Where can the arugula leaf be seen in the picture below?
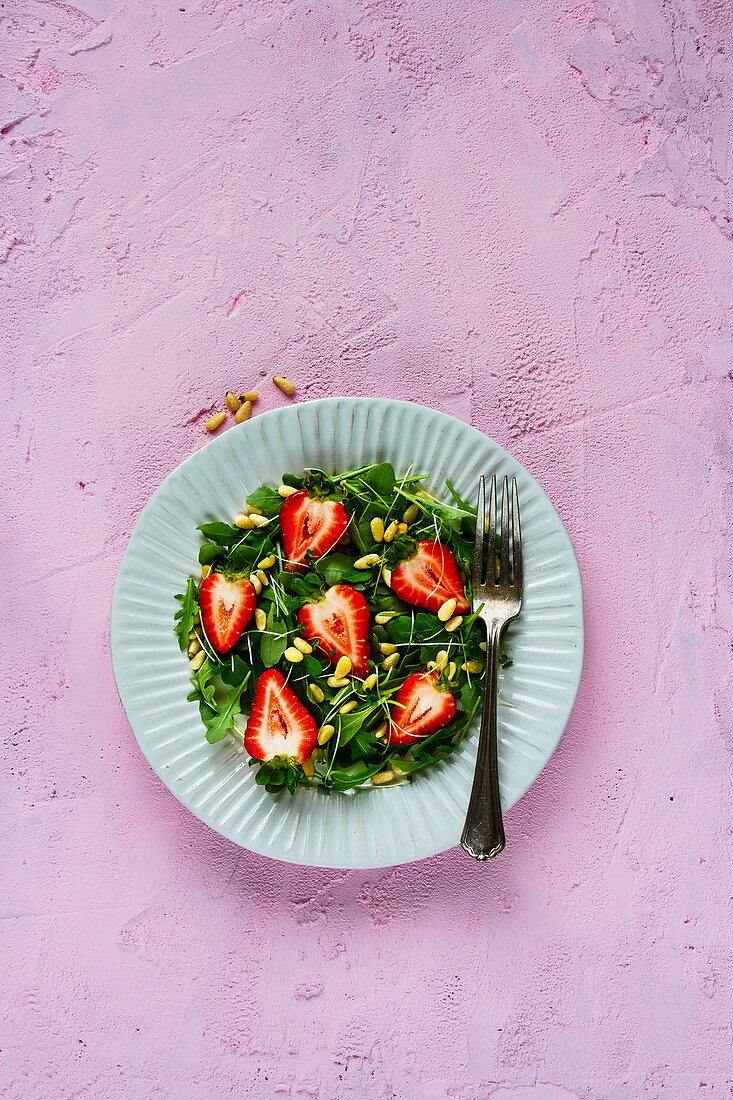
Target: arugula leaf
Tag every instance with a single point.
(203, 688)
(267, 500)
(219, 721)
(350, 724)
(459, 500)
(186, 613)
(273, 640)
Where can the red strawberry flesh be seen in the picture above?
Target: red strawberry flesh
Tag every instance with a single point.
(429, 578)
(306, 524)
(279, 724)
(420, 708)
(226, 608)
(340, 623)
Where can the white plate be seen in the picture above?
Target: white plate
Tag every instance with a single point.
(372, 828)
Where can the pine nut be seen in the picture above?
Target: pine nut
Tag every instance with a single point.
(262, 577)
(387, 648)
(335, 682)
(454, 623)
(251, 510)
(244, 522)
(370, 682)
(446, 610)
(343, 668)
(197, 661)
(366, 562)
(482, 645)
(215, 421)
(260, 619)
(267, 562)
(286, 490)
(401, 528)
(197, 619)
(250, 395)
(424, 496)
(302, 645)
(391, 531)
(452, 670)
(258, 520)
(441, 660)
(473, 667)
(377, 528)
(194, 647)
(348, 707)
(284, 385)
(315, 693)
(410, 514)
(391, 661)
(205, 570)
(381, 731)
(233, 403)
(383, 617)
(381, 779)
(325, 734)
(243, 412)
(308, 769)
(387, 577)
(255, 582)
(293, 655)
(191, 635)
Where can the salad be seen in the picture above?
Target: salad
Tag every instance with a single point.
(335, 612)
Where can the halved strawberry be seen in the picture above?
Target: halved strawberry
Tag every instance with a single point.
(226, 608)
(420, 708)
(306, 524)
(340, 622)
(279, 724)
(429, 578)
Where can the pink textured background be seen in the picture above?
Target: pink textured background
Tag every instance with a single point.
(521, 214)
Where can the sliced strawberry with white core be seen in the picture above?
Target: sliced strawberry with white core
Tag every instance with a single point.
(315, 525)
(420, 708)
(226, 608)
(340, 622)
(429, 578)
(279, 724)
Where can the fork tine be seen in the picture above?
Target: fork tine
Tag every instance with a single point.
(491, 567)
(477, 566)
(516, 538)
(504, 570)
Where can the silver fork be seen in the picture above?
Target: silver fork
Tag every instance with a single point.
(501, 602)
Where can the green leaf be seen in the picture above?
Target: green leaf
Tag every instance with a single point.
(223, 533)
(203, 690)
(186, 613)
(209, 552)
(349, 724)
(267, 500)
(458, 499)
(380, 478)
(339, 569)
(273, 639)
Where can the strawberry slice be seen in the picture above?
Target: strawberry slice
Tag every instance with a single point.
(420, 708)
(306, 524)
(340, 622)
(226, 608)
(429, 578)
(279, 724)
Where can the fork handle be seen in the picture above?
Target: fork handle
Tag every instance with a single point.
(483, 833)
